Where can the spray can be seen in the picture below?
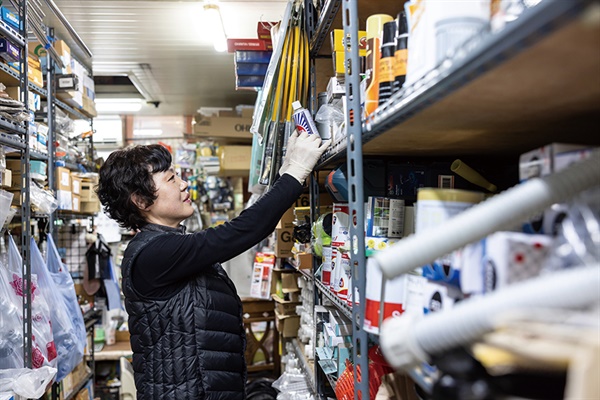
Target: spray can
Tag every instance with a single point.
(374, 31)
(401, 53)
(386, 63)
(303, 120)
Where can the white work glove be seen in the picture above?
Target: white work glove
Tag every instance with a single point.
(303, 152)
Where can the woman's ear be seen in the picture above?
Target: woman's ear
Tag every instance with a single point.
(139, 202)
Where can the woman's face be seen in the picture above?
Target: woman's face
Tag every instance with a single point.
(173, 203)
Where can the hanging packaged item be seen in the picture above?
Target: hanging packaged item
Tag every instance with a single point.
(69, 346)
(43, 352)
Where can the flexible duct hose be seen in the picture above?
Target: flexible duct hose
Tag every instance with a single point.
(410, 339)
(499, 212)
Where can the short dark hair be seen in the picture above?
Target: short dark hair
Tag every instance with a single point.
(128, 172)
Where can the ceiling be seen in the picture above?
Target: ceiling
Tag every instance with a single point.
(186, 72)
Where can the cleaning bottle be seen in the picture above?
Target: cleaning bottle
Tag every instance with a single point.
(303, 120)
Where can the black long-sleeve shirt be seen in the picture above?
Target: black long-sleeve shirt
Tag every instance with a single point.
(163, 267)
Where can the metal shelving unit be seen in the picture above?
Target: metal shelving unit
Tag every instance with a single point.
(468, 106)
(489, 78)
(15, 136)
(322, 25)
(336, 301)
(306, 368)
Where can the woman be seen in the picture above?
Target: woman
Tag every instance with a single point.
(185, 316)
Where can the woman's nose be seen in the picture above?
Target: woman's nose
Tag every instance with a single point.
(184, 184)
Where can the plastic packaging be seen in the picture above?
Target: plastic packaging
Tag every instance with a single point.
(503, 211)
(303, 120)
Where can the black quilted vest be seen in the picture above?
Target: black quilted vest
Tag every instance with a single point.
(188, 346)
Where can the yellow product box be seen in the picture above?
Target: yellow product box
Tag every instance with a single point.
(338, 64)
(35, 76)
(337, 41)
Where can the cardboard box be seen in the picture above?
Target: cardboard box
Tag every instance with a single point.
(232, 127)
(63, 178)
(248, 44)
(287, 325)
(6, 178)
(289, 282)
(76, 203)
(76, 185)
(304, 260)
(235, 160)
(123, 336)
(284, 242)
(91, 207)
(72, 98)
(65, 199)
(87, 191)
(287, 219)
(10, 17)
(285, 307)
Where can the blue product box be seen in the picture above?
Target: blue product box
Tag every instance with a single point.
(9, 51)
(249, 81)
(10, 18)
(404, 180)
(243, 69)
(38, 167)
(247, 56)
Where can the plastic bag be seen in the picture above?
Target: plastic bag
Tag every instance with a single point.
(329, 113)
(66, 290)
(43, 352)
(11, 327)
(25, 382)
(70, 352)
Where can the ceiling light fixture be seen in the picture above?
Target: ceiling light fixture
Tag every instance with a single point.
(214, 25)
(144, 81)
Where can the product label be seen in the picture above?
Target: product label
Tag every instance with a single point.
(304, 122)
(386, 69)
(401, 58)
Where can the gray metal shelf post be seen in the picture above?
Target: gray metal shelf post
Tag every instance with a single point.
(25, 198)
(356, 198)
(51, 135)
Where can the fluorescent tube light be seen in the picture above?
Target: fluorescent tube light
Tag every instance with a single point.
(214, 25)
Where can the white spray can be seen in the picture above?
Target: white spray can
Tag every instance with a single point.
(303, 120)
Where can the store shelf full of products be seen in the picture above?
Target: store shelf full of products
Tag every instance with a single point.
(501, 93)
(482, 98)
(15, 137)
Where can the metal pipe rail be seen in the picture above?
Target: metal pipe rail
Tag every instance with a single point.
(412, 339)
